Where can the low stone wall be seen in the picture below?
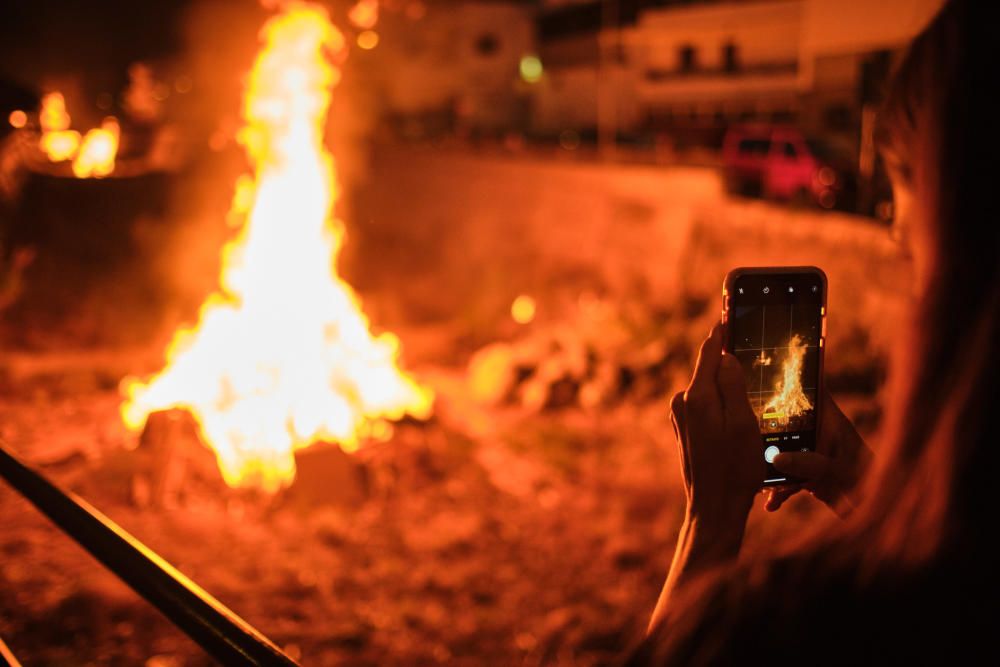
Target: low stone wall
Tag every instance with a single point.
(469, 233)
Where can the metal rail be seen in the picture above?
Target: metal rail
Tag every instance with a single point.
(218, 630)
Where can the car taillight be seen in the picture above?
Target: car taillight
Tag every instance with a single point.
(826, 176)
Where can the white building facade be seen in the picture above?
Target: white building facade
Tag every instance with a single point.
(709, 63)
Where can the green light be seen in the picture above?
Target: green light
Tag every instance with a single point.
(531, 68)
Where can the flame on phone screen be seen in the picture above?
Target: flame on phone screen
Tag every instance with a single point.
(789, 400)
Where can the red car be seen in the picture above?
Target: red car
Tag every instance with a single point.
(778, 162)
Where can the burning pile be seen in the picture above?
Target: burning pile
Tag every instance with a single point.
(282, 356)
(789, 400)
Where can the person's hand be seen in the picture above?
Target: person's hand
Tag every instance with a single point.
(831, 473)
(721, 463)
(719, 439)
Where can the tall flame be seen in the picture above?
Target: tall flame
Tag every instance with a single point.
(281, 356)
(789, 400)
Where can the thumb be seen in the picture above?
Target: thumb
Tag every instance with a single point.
(776, 497)
(809, 466)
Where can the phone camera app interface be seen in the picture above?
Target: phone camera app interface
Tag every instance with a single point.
(776, 324)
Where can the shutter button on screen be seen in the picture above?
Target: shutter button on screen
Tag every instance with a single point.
(770, 453)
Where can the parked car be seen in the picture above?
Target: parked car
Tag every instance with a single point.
(780, 162)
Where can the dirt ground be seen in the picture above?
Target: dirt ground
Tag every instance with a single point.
(486, 537)
(493, 534)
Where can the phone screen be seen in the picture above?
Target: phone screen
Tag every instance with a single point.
(775, 329)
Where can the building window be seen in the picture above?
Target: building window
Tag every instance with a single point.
(487, 44)
(754, 146)
(687, 58)
(730, 58)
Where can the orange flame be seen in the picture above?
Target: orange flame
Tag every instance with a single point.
(58, 142)
(282, 357)
(53, 115)
(60, 145)
(93, 155)
(789, 400)
(96, 157)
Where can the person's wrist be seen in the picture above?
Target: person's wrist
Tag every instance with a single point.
(715, 533)
(720, 517)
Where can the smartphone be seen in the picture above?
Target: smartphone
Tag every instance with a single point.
(775, 324)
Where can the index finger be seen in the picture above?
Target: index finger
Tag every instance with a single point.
(709, 357)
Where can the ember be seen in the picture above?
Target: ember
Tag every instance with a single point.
(282, 356)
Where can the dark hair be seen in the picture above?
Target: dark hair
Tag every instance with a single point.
(936, 134)
(933, 478)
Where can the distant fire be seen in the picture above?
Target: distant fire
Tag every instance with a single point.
(58, 142)
(96, 157)
(789, 400)
(762, 359)
(282, 356)
(93, 155)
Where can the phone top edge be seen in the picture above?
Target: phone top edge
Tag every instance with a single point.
(739, 271)
(734, 274)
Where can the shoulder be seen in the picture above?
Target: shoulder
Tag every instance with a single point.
(812, 608)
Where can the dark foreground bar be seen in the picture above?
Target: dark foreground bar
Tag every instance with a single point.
(7, 658)
(224, 635)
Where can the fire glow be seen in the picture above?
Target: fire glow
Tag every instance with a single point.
(282, 356)
(93, 155)
(58, 142)
(96, 157)
(789, 400)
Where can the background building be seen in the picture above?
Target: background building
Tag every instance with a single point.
(455, 66)
(691, 68)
